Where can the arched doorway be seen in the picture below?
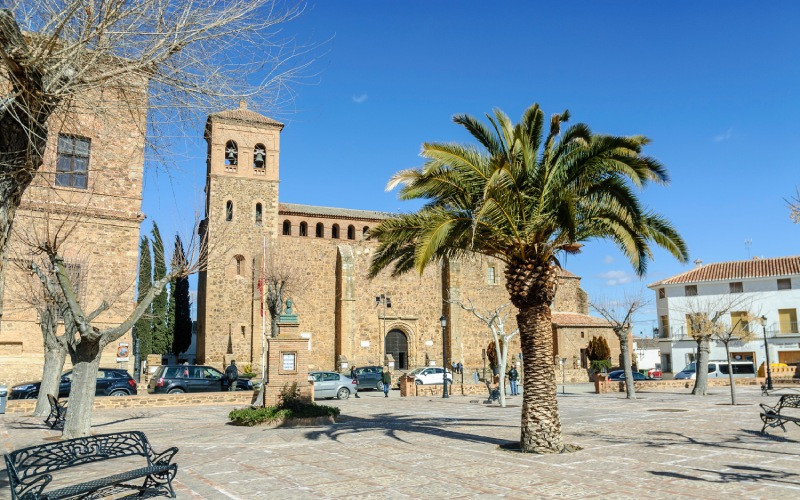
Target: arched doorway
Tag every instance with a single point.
(397, 346)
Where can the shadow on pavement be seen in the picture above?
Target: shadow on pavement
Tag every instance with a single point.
(391, 425)
(740, 473)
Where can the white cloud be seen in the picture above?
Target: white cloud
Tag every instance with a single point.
(608, 259)
(723, 136)
(616, 277)
(360, 99)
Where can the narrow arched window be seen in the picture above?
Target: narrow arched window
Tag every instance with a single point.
(303, 229)
(351, 232)
(239, 264)
(259, 214)
(229, 211)
(231, 154)
(320, 230)
(335, 231)
(287, 228)
(365, 232)
(259, 156)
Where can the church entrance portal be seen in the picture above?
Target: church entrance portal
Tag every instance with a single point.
(397, 346)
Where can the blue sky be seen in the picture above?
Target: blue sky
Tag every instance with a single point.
(713, 84)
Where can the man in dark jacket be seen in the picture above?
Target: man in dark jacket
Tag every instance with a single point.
(513, 376)
(386, 378)
(232, 374)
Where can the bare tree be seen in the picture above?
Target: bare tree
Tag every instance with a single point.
(739, 330)
(86, 345)
(280, 279)
(794, 207)
(620, 315)
(704, 317)
(58, 57)
(496, 321)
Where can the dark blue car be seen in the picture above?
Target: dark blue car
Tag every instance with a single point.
(618, 375)
(110, 382)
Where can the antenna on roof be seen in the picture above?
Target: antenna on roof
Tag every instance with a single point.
(747, 244)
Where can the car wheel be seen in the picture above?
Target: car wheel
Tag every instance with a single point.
(118, 392)
(343, 393)
(418, 382)
(379, 386)
(177, 390)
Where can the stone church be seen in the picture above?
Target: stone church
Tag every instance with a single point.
(324, 254)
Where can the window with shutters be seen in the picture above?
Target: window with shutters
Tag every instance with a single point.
(72, 166)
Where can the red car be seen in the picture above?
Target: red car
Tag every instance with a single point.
(654, 373)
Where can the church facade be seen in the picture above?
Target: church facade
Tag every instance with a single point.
(323, 255)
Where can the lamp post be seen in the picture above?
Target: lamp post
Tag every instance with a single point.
(385, 301)
(483, 353)
(766, 349)
(443, 321)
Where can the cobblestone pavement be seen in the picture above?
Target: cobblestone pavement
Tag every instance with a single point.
(661, 445)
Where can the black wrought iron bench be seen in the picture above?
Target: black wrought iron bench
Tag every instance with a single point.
(775, 416)
(58, 412)
(29, 469)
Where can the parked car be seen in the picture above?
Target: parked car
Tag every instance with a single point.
(369, 377)
(176, 379)
(655, 373)
(719, 369)
(618, 375)
(333, 385)
(110, 382)
(430, 375)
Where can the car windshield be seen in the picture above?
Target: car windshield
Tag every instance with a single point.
(690, 368)
(417, 371)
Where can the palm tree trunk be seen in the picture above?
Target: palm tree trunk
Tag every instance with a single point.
(625, 347)
(541, 425)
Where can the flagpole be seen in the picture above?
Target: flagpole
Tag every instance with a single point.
(263, 326)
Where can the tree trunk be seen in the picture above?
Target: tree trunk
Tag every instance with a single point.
(85, 360)
(701, 367)
(541, 424)
(625, 348)
(55, 352)
(503, 352)
(730, 374)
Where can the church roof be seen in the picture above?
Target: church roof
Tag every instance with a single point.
(577, 319)
(342, 213)
(242, 114)
(738, 269)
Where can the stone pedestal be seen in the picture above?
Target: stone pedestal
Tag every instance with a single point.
(287, 363)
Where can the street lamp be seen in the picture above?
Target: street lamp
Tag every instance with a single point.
(443, 321)
(766, 349)
(385, 301)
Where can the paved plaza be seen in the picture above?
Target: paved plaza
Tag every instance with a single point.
(663, 445)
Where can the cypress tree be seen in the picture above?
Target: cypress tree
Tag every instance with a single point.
(162, 338)
(144, 326)
(182, 320)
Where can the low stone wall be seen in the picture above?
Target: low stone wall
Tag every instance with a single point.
(604, 387)
(239, 398)
(454, 389)
(572, 375)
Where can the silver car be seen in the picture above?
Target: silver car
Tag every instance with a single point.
(332, 385)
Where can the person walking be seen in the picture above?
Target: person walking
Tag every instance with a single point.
(386, 378)
(513, 376)
(232, 374)
(354, 376)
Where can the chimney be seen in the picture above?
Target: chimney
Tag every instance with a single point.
(698, 263)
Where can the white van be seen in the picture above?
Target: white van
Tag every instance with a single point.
(719, 369)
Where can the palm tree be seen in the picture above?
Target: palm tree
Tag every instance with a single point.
(524, 198)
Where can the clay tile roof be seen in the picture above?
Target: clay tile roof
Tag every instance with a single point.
(738, 269)
(242, 114)
(342, 213)
(643, 343)
(577, 319)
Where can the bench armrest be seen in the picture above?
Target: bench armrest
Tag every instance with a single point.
(769, 409)
(165, 457)
(32, 489)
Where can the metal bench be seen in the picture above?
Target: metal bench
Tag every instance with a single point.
(58, 412)
(772, 416)
(29, 469)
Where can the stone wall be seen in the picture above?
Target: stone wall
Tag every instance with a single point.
(102, 223)
(666, 385)
(240, 398)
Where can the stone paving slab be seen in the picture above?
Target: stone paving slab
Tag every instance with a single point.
(662, 445)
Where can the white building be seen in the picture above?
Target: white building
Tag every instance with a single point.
(764, 287)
